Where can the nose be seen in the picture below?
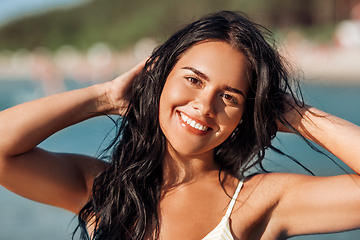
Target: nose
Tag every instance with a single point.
(204, 103)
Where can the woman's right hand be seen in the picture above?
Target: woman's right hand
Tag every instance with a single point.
(58, 179)
(118, 91)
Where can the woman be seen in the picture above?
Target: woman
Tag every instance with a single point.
(195, 118)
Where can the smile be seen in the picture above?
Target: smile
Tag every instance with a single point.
(193, 123)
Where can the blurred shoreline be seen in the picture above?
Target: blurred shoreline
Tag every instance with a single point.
(100, 63)
(328, 64)
(325, 64)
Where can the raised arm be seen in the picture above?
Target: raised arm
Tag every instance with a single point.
(309, 205)
(58, 179)
(340, 137)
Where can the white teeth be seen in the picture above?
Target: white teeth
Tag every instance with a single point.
(192, 123)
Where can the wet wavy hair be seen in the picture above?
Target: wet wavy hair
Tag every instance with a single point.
(124, 201)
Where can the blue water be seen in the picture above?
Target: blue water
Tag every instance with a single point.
(27, 220)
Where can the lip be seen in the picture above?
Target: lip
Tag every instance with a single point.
(193, 130)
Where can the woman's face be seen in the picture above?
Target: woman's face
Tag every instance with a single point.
(204, 98)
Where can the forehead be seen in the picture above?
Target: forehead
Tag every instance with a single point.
(219, 61)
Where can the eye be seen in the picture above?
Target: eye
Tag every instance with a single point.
(229, 98)
(194, 81)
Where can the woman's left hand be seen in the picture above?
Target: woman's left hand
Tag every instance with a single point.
(336, 135)
(292, 114)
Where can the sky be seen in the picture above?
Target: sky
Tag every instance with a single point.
(12, 9)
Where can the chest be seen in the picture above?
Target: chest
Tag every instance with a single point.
(193, 213)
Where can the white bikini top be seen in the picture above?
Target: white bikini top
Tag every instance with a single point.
(222, 230)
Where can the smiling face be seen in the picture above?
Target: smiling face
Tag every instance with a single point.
(204, 98)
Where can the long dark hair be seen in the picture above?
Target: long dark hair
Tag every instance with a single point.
(124, 201)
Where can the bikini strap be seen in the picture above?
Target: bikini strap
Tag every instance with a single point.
(233, 199)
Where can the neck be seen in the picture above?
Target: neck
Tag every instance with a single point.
(182, 169)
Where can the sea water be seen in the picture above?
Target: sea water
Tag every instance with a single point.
(22, 219)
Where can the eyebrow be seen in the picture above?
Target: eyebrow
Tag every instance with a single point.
(197, 72)
(205, 77)
(234, 90)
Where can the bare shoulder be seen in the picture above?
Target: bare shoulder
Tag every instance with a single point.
(267, 190)
(275, 184)
(268, 184)
(258, 199)
(281, 205)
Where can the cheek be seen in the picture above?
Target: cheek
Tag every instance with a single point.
(171, 97)
(174, 94)
(231, 119)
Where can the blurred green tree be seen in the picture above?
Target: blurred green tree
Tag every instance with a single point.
(121, 23)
